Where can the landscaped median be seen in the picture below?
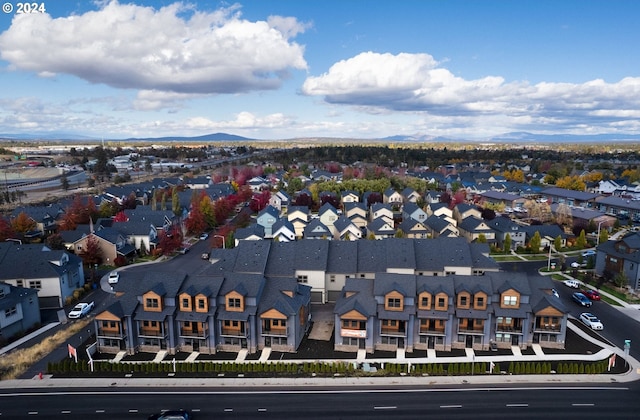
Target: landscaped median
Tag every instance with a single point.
(69, 368)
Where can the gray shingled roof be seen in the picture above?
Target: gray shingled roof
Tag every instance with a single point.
(273, 296)
(31, 261)
(362, 301)
(343, 257)
(254, 255)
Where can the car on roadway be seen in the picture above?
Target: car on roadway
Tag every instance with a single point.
(575, 264)
(81, 309)
(592, 321)
(591, 294)
(574, 284)
(204, 236)
(183, 250)
(581, 299)
(554, 292)
(589, 253)
(114, 277)
(172, 415)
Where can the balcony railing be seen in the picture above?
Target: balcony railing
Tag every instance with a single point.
(194, 334)
(276, 331)
(393, 331)
(431, 330)
(233, 332)
(473, 330)
(110, 334)
(150, 332)
(509, 328)
(548, 327)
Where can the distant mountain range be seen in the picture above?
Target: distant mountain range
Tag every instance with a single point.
(514, 137)
(523, 137)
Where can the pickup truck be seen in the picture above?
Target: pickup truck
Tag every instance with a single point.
(81, 309)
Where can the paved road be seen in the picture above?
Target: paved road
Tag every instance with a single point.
(478, 402)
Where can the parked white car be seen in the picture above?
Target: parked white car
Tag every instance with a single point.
(574, 284)
(114, 277)
(591, 321)
(81, 309)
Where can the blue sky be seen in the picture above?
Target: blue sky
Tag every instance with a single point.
(330, 68)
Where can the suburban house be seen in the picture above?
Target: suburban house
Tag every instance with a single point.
(411, 312)
(569, 197)
(349, 197)
(409, 195)
(110, 242)
(54, 274)
(463, 210)
(267, 218)
(381, 211)
(328, 216)
(472, 227)
(283, 231)
(19, 311)
(346, 230)
(357, 213)
(501, 198)
(503, 226)
(392, 197)
(45, 218)
(299, 217)
(280, 200)
(253, 232)
(410, 210)
(380, 228)
(317, 230)
(621, 256)
(441, 226)
(414, 229)
(622, 208)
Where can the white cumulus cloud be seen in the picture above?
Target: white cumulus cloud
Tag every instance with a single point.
(418, 83)
(172, 49)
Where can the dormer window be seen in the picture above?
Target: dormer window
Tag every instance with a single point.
(441, 302)
(509, 300)
(464, 300)
(152, 303)
(185, 303)
(480, 301)
(394, 301)
(424, 301)
(234, 303)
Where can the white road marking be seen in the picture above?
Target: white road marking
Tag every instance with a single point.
(65, 412)
(389, 407)
(583, 405)
(517, 405)
(451, 406)
(262, 409)
(228, 410)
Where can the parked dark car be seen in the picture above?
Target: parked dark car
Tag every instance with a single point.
(172, 415)
(581, 299)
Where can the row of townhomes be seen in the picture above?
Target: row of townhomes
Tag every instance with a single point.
(395, 293)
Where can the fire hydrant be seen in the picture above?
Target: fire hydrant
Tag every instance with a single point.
(40, 375)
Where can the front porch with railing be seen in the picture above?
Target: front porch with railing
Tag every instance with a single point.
(152, 336)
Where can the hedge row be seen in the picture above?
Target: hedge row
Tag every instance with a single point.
(345, 368)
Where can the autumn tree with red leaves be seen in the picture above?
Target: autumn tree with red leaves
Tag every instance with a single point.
(196, 222)
(6, 230)
(171, 241)
(260, 201)
(91, 253)
(120, 217)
